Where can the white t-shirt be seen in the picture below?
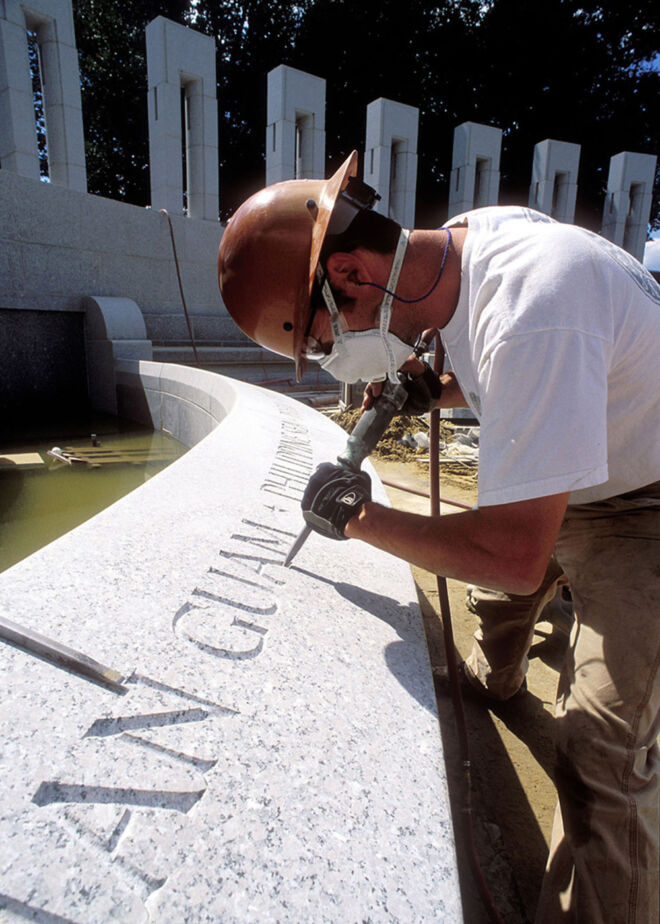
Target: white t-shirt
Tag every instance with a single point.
(555, 343)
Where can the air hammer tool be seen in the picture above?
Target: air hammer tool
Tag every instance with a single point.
(362, 441)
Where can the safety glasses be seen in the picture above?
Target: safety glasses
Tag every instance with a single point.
(357, 197)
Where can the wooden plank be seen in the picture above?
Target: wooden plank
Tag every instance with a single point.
(20, 459)
(94, 456)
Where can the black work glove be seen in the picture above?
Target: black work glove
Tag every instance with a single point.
(423, 391)
(333, 495)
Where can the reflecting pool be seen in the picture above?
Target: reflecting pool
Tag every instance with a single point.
(52, 483)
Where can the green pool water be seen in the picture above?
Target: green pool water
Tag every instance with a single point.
(42, 498)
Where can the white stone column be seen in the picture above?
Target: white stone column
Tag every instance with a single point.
(475, 175)
(390, 158)
(52, 21)
(628, 200)
(295, 132)
(179, 59)
(553, 188)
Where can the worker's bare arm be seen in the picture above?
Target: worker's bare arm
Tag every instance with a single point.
(506, 547)
(451, 396)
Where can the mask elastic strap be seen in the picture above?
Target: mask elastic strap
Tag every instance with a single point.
(386, 304)
(331, 305)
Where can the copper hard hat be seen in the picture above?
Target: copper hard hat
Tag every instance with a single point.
(268, 257)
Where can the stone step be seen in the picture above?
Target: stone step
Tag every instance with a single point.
(223, 353)
(279, 380)
(173, 328)
(248, 363)
(199, 342)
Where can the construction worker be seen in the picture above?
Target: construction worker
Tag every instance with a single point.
(553, 336)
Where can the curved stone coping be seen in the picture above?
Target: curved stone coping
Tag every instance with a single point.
(276, 753)
(188, 403)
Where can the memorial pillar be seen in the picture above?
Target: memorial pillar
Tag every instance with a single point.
(51, 21)
(475, 174)
(628, 200)
(390, 158)
(553, 188)
(295, 133)
(182, 89)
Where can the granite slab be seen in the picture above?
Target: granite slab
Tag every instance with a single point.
(274, 754)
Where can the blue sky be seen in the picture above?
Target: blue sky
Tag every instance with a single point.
(652, 254)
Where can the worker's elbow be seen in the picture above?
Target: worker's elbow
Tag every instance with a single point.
(522, 587)
(525, 574)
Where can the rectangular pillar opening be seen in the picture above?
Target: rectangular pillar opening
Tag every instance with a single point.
(37, 77)
(635, 199)
(397, 178)
(304, 145)
(559, 194)
(184, 149)
(481, 182)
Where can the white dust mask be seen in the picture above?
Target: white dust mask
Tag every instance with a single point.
(366, 355)
(369, 355)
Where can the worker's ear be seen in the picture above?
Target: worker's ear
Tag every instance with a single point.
(346, 271)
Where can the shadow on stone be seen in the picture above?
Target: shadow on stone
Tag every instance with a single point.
(402, 657)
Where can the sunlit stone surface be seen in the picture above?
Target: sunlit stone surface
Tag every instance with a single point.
(275, 753)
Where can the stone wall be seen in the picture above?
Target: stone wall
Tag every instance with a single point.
(42, 373)
(58, 245)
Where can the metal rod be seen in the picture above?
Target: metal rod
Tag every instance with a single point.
(59, 654)
(298, 544)
(420, 493)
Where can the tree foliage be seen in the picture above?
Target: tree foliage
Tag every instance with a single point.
(113, 82)
(575, 71)
(252, 37)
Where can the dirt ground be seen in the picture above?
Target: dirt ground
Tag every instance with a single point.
(511, 744)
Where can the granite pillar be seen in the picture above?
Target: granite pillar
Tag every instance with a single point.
(295, 131)
(390, 158)
(553, 187)
(181, 75)
(475, 174)
(52, 22)
(628, 200)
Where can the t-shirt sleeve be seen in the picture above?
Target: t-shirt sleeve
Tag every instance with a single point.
(544, 416)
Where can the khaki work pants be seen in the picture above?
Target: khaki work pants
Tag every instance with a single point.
(603, 860)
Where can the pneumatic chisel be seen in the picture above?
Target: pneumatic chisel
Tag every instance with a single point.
(362, 441)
